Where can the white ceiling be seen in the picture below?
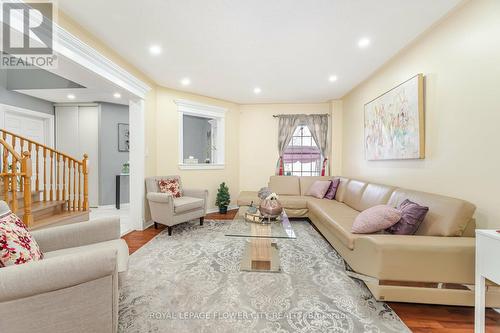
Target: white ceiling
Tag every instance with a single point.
(288, 48)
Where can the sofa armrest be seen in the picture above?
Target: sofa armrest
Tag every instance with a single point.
(159, 197)
(46, 275)
(416, 258)
(78, 234)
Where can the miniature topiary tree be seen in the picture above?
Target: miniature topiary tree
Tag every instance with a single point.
(223, 198)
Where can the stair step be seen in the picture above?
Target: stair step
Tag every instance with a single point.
(42, 209)
(66, 217)
(35, 197)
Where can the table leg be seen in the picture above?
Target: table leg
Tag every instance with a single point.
(117, 193)
(480, 304)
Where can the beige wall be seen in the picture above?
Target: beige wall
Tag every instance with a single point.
(166, 122)
(460, 59)
(258, 139)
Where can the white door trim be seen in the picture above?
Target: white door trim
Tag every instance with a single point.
(48, 120)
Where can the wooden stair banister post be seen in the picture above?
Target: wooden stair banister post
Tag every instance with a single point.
(26, 176)
(85, 182)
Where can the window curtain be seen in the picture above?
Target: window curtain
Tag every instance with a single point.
(286, 127)
(318, 124)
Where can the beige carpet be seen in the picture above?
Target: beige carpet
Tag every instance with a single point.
(190, 282)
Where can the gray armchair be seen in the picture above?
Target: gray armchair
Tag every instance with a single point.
(74, 288)
(169, 211)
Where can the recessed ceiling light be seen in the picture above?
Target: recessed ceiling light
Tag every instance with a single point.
(257, 90)
(71, 96)
(186, 81)
(117, 95)
(364, 42)
(332, 78)
(155, 49)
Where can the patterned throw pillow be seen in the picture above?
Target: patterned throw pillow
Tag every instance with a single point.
(170, 186)
(17, 246)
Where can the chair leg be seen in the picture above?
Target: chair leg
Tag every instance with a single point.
(156, 225)
(201, 220)
(169, 228)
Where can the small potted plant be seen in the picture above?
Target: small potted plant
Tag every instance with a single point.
(223, 198)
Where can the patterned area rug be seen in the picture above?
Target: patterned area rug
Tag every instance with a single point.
(190, 282)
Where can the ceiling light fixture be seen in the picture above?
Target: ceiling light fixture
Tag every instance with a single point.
(257, 90)
(155, 49)
(332, 78)
(117, 95)
(71, 96)
(364, 42)
(186, 81)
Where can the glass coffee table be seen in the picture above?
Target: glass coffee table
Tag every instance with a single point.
(261, 253)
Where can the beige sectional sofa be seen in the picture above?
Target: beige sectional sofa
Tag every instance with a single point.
(436, 265)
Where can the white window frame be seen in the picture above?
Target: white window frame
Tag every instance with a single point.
(185, 107)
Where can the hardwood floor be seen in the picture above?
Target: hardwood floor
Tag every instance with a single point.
(420, 318)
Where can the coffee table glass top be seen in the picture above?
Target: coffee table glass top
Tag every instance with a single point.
(280, 228)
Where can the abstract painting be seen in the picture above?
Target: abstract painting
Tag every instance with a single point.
(394, 123)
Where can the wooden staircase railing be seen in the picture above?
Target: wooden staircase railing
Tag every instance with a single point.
(41, 165)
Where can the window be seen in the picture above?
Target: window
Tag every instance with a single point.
(302, 157)
(201, 136)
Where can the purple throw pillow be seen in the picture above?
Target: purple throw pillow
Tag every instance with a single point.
(332, 190)
(412, 215)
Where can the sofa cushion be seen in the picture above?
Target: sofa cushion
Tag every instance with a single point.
(293, 201)
(375, 194)
(118, 244)
(353, 193)
(17, 246)
(285, 185)
(340, 195)
(319, 188)
(307, 181)
(446, 217)
(185, 204)
(337, 216)
(246, 197)
(375, 219)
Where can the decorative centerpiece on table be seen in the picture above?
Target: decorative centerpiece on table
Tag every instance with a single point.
(270, 207)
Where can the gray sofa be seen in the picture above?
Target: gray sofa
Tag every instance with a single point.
(74, 288)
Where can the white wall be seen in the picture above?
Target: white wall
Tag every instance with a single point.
(259, 139)
(460, 59)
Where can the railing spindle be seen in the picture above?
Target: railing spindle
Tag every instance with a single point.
(85, 182)
(64, 180)
(6, 171)
(51, 187)
(44, 174)
(37, 182)
(13, 182)
(79, 187)
(74, 185)
(27, 172)
(58, 171)
(21, 183)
